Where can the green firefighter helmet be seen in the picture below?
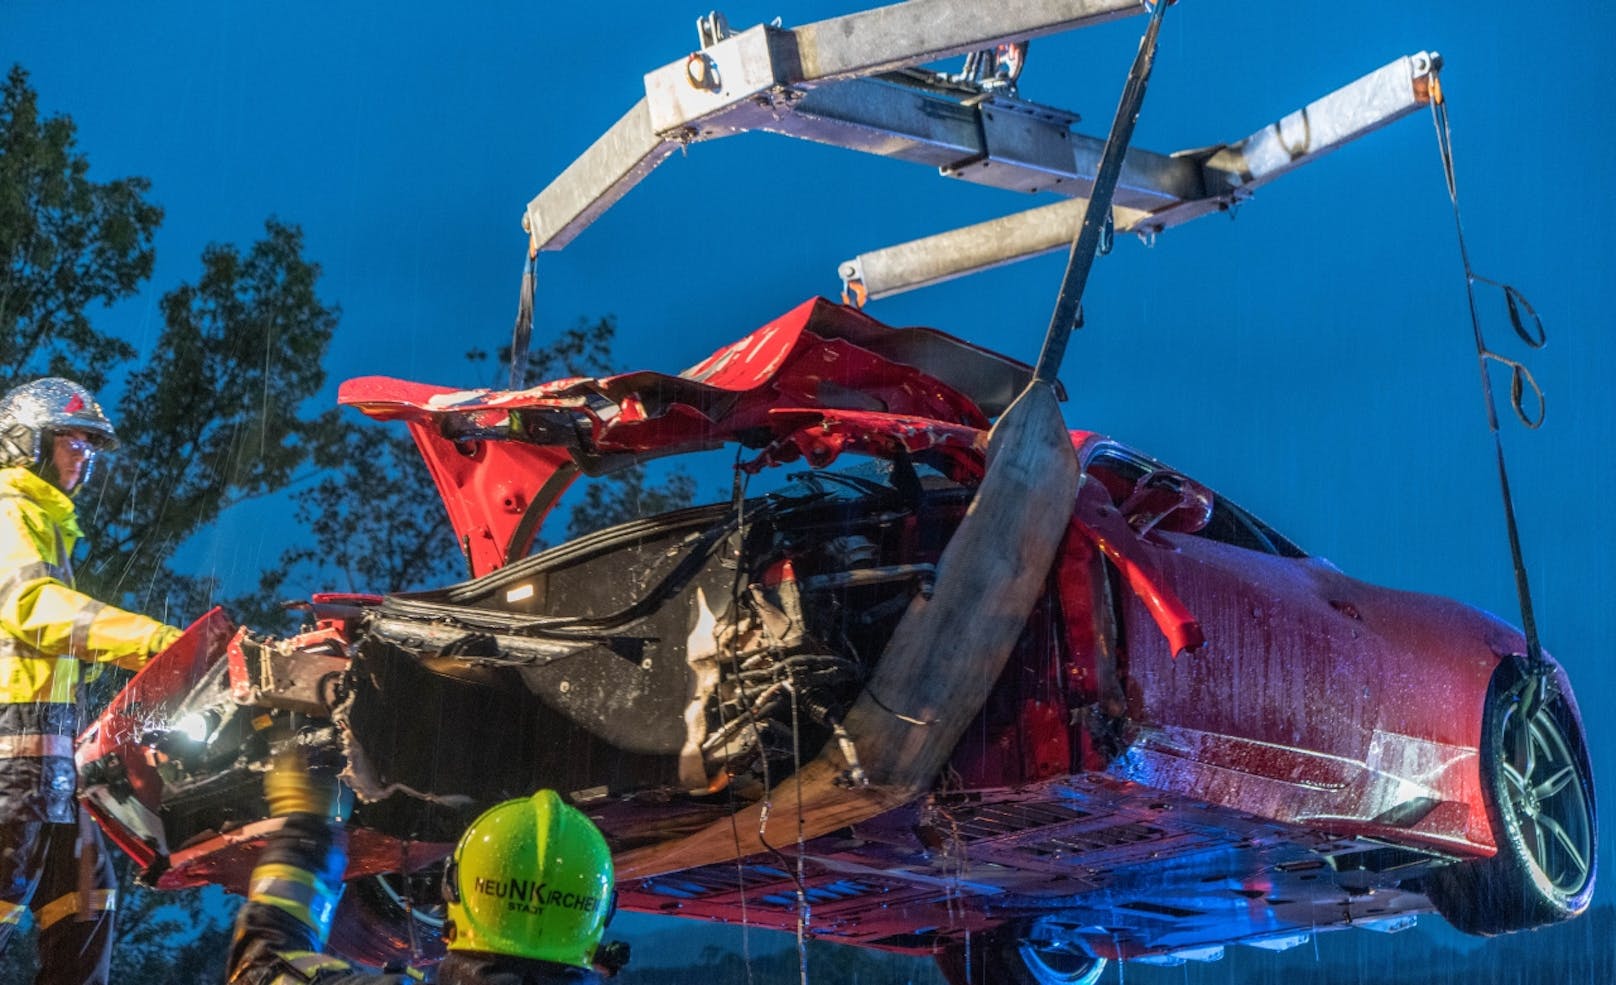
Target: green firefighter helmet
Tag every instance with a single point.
(531, 878)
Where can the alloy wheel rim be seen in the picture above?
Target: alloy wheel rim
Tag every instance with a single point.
(1546, 789)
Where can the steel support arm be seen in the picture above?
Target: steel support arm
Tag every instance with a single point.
(753, 79)
(1225, 175)
(595, 180)
(921, 31)
(1383, 96)
(983, 246)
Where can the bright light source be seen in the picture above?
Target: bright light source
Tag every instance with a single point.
(194, 726)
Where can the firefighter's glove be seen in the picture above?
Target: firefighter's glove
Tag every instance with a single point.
(611, 957)
(162, 640)
(290, 789)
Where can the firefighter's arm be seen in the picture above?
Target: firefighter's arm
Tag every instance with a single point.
(39, 608)
(53, 618)
(295, 886)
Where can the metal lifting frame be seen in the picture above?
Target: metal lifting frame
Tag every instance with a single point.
(851, 82)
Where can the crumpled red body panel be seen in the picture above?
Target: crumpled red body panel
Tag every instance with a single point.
(501, 458)
(819, 380)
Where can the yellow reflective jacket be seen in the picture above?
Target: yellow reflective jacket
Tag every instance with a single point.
(46, 629)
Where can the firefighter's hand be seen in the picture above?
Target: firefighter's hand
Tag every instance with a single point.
(611, 957)
(162, 640)
(291, 790)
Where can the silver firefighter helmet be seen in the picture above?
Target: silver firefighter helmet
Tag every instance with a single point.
(33, 412)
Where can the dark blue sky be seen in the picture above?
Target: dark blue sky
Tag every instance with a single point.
(1311, 359)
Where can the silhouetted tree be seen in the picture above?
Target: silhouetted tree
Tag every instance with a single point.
(628, 495)
(173, 936)
(215, 416)
(67, 245)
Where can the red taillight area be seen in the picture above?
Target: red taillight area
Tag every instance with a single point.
(160, 684)
(111, 753)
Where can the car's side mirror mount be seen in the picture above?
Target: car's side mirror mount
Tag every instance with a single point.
(1167, 501)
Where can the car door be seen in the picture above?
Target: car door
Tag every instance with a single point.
(1279, 711)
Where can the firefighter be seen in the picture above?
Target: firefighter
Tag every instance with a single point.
(528, 893)
(51, 857)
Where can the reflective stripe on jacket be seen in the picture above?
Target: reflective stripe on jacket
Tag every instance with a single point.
(47, 628)
(291, 895)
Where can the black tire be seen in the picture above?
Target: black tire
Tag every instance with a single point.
(373, 924)
(1004, 959)
(1540, 799)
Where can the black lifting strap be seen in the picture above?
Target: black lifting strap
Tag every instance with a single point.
(1529, 327)
(1094, 235)
(522, 332)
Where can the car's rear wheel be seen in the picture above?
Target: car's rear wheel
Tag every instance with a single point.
(390, 919)
(1540, 798)
(1004, 959)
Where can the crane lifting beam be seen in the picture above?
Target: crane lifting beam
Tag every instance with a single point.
(852, 82)
(753, 79)
(1230, 173)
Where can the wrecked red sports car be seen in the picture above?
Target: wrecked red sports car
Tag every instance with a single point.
(1203, 736)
